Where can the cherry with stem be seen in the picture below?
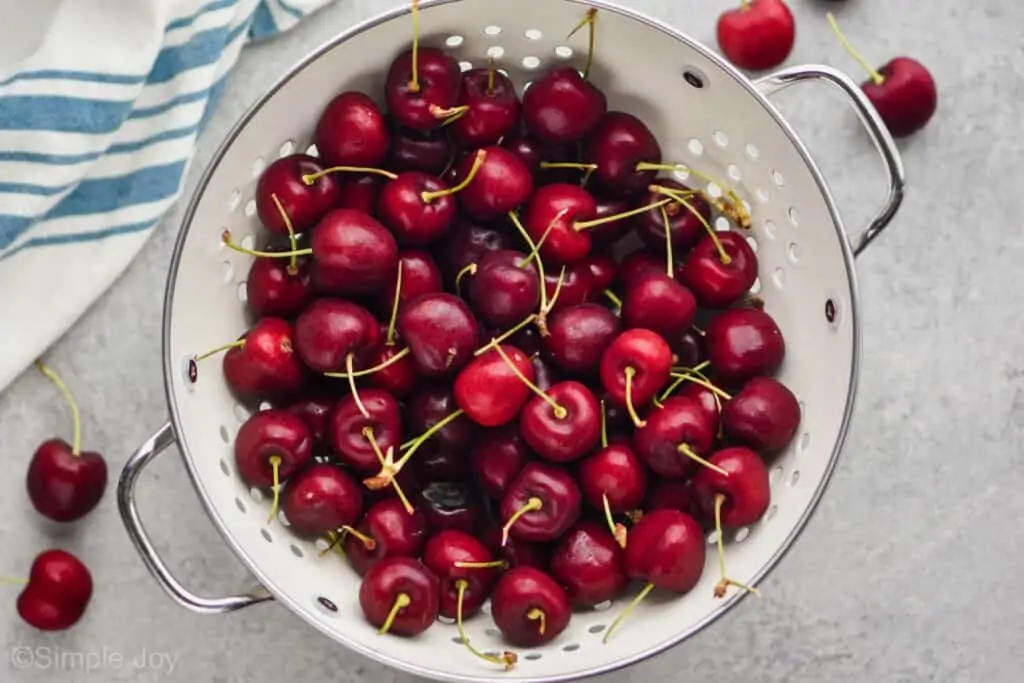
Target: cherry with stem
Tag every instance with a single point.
(387, 465)
(590, 21)
(390, 468)
(733, 209)
(680, 198)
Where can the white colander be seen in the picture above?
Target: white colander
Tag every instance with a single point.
(704, 113)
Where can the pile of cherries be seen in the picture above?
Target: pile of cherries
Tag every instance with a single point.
(472, 396)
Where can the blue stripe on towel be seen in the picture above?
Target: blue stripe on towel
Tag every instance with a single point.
(80, 237)
(205, 9)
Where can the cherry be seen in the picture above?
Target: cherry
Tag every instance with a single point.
(315, 411)
(757, 35)
(422, 86)
(563, 107)
(447, 554)
(450, 505)
(613, 477)
(285, 202)
(603, 270)
(735, 494)
(674, 437)
(332, 335)
(684, 227)
(552, 216)
(577, 287)
(709, 401)
(533, 152)
(544, 374)
(542, 502)
(673, 494)
(434, 410)
(274, 288)
(395, 371)
(465, 244)
(441, 333)
(64, 483)
(394, 533)
(419, 275)
(516, 552)
(497, 457)
(400, 596)
(490, 390)
(720, 270)
(529, 607)
(501, 183)
(764, 415)
(360, 192)
(743, 343)
(262, 364)
(414, 205)
(435, 463)
(637, 263)
(505, 288)
(621, 142)
(607, 234)
(587, 562)
(563, 423)
(665, 549)
(492, 108)
(320, 499)
(271, 446)
(657, 302)
(352, 253)
(579, 335)
(903, 90)
(411, 150)
(363, 424)
(689, 347)
(352, 132)
(634, 366)
(57, 591)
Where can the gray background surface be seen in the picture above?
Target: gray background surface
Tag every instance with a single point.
(911, 569)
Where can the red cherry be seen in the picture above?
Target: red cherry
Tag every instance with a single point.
(758, 35)
(404, 208)
(719, 282)
(400, 596)
(497, 457)
(502, 183)
(350, 429)
(607, 234)
(352, 132)
(764, 415)
(685, 228)
(563, 426)
(399, 378)
(616, 474)
(352, 253)
(541, 503)
(394, 533)
(443, 555)
(270, 447)
(563, 107)
(493, 108)
(428, 152)
(672, 436)
(465, 244)
(553, 211)
(578, 336)
(441, 333)
(420, 275)
(638, 263)
(706, 399)
(587, 562)
(673, 494)
(360, 192)
(603, 271)
(420, 104)
(577, 286)
(65, 485)
(264, 363)
(666, 549)
(300, 203)
(906, 99)
(620, 143)
(488, 389)
(314, 410)
(273, 289)
(744, 488)
(744, 343)
(641, 355)
(529, 607)
(57, 593)
(656, 302)
(330, 331)
(320, 499)
(505, 288)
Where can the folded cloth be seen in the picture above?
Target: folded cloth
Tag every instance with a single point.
(98, 123)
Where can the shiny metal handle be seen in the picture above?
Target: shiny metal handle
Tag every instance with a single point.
(156, 444)
(875, 128)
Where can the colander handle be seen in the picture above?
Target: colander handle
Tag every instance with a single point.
(876, 129)
(154, 446)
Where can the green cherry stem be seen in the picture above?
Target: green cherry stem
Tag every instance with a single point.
(389, 340)
(684, 449)
(414, 80)
(478, 161)
(644, 592)
(604, 425)
(13, 580)
(402, 600)
(293, 267)
(669, 261)
(505, 659)
(227, 240)
(587, 225)
(468, 270)
(723, 255)
(388, 470)
(876, 77)
(350, 373)
(559, 410)
(76, 418)
(704, 383)
(590, 21)
(410, 447)
(275, 464)
(613, 298)
(535, 252)
(540, 263)
(369, 371)
(533, 503)
(310, 178)
(505, 335)
(630, 372)
(723, 584)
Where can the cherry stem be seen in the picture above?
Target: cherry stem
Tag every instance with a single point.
(532, 504)
(618, 531)
(735, 211)
(13, 579)
(626, 612)
(545, 165)
(586, 225)
(468, 270)
(535, 251)
(683, 377)
(414, 81)
(213, 352)
(414, 444)
(667, 222)
(506, 659)
(554, 295)
(368, 541)
(310, 178)
(401, 602)
(505, 335)
(537, 614)
(388, 470)
(723, 256)
(389, 340)
(560, 412)
(428, 197)
(226, 239)
(490, 76)
(613, 298)
(369, 371)
(76, 418)
(449, 114)
(724, 583)
(604, 425)
(293, 267)
(540, 266)
(630, 371)
(275, 465)
(493, 564)
(591, 22)
(707, 385)
(350, 373)
(876, 77)
(335, 539)
(685, 449)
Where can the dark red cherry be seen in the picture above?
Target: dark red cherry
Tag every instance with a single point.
(430, 405)
(493, 108)
(321, 498)
(672, 433)
(620, 142)
(403, 587)
(427, 152)
(505, 288)
(529, 607)
(552, 214)
(715, 283)
(615, 473)
(272, 440)
(399, 378)
(443, 554)
(607, 234)
(587, 562)
(497, 457)
(642, 354)
(516, 552)
(764, 415)
(744, 343)
(394, 532)
(435, 463)
(491, 390)
(56, 595)
(65, 484)
(541, 504)
(352, 132)
(502, 183)
(266, 365)
(352, 253)
(350, 429)
(419, 104)
(577, 286)
(579, 335)
(603, 271)
(709, 403)
(360, 192)
(450, 505)
(745, 486)
(673, 494)
(420, 275)
(638, 263)
(563, 107)
(685, 228)
(330, 330)
(303, 204)
(441, 333)
(656, 302)
(272, 289)
(566, 430)
(466, 243)
(689, 347)
(666, 548)
(413, 220)
(315, 411)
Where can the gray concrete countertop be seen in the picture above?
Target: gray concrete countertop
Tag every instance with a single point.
(908, 572)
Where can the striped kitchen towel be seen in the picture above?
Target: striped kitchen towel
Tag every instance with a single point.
(99, 115)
